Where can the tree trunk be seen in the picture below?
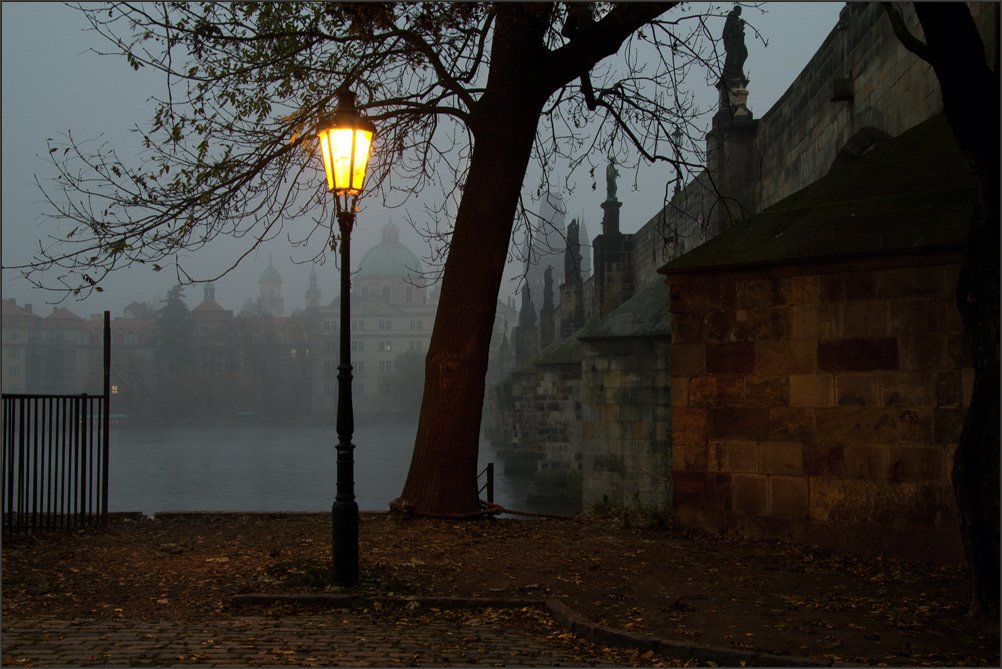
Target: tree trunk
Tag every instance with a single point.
(970, 100)
(443, 476)
(523, 74)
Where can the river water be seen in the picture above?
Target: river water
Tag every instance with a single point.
(274, 468)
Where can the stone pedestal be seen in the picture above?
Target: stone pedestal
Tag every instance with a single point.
(610, 218)
(571, 314)
(614, 270)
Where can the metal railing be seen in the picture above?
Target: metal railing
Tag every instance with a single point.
(488, 474)
(55, 458)
(55, 462)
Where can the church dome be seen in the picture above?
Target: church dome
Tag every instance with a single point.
(390, 257)
(270, 274)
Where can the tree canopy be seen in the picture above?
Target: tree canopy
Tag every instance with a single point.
(230, 149)
(464, 96)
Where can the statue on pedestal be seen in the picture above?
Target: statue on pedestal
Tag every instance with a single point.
(610, 180)
(734, 48)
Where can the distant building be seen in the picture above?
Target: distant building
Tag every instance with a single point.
(271, 365)
(390, 314)
(313, 292)
(270, 285)
(19, 325)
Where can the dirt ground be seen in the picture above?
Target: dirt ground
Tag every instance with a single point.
(662, 581)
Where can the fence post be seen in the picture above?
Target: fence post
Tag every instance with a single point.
(106, 418)
(490, 482)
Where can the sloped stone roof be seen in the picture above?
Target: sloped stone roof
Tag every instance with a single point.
(560, 352)
(910, 193)
(643, 315)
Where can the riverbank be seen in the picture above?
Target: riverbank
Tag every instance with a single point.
(647, 582)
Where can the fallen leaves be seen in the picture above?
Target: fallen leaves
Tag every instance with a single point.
(666, 582)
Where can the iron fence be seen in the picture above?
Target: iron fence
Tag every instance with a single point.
(55, 457)
(55, 462)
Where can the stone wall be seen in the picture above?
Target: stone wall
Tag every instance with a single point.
(626, 422)
(557, 479)
(821, 404)
(797, 140)
(518, 445)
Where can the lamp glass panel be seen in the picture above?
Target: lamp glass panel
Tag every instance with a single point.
(325, 148)
(345, 168)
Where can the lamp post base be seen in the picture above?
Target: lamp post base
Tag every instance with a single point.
(344, 531)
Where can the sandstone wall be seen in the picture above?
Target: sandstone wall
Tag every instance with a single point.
(821, 405)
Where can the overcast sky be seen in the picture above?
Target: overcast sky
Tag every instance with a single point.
(52, 84)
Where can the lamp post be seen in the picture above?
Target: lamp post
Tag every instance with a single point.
(345, 140)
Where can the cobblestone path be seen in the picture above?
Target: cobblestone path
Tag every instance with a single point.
(336, 639)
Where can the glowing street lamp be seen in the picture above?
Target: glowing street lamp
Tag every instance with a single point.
(345, 141)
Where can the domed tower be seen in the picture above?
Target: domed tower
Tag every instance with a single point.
(391, 271)
(270, 286)
(313, 293)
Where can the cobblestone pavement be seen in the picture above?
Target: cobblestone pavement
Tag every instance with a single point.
(335, 639)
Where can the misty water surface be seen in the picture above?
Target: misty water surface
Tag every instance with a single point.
(261, 468)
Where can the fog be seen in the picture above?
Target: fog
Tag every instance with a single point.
(53, 83)
(266, 468)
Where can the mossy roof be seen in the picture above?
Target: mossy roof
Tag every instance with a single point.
(643, 315)
(909, 193)
(560, 352)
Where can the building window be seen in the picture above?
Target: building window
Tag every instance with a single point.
(357, 326)
(15, 336)
(385, 325)
(410, 294)
(417, 325)
(329, 345)
(358, 345)
(14, 370)
(417, 345)
(329, 389)
(329, 367)
(131, 338)
(385, 345)
(14, 353)
(359, 367)
(385, 366)
(357, 389)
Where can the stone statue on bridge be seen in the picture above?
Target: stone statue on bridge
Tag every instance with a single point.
(610, 180)
(734, 48)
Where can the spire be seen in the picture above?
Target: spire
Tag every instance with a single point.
(548, 290)
(313, 293)
(527, 314)
(572, 255)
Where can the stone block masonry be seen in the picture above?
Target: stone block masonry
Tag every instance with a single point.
(626, 447)
(832, 421)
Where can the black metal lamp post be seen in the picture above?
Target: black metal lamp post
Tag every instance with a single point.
(345, 140)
